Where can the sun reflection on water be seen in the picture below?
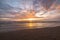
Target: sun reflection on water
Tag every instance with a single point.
(32, 24)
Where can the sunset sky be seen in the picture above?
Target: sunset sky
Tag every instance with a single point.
(11, 10)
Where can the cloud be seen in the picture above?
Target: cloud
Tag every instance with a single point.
(53, 15)
(13, 8)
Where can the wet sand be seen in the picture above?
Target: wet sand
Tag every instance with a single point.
(50, 33)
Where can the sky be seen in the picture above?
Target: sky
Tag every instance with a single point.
(17, 9)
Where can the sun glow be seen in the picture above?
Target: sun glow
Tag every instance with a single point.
(31, 19)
